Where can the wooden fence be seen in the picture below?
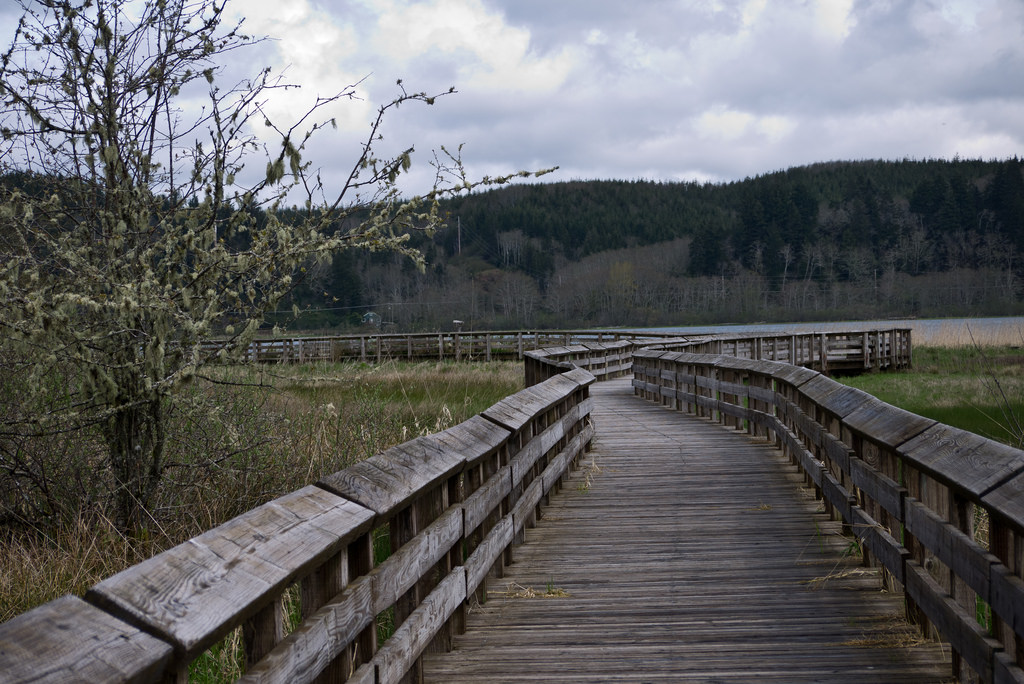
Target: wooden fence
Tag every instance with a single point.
(453, 346)
(941, 509)
(842, 352)
(409, 535)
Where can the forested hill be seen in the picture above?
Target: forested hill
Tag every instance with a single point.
(838, 239)
(925, 215)
(834, 240)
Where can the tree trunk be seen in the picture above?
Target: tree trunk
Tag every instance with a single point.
(135, 438)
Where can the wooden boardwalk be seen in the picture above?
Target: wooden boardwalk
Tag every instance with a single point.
(685, 551)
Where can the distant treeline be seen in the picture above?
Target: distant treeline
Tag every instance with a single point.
(837, 239)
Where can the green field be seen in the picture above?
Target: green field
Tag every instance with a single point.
(975, 389)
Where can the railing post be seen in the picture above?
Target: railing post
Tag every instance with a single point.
(824, 353)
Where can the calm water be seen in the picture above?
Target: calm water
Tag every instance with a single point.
(927, 331)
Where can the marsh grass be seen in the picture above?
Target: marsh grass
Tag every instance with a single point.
(237, 439)
(975, 388)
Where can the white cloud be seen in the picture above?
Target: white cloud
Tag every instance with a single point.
(661, 88)
(310, 48)
(484, 50)
(834, 18)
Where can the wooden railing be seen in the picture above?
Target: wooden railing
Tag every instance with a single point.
(834, 352)
(410, 534)
(453, 346)
(828, 352)
(915, 493)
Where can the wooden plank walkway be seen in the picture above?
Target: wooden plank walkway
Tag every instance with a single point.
(686, 552)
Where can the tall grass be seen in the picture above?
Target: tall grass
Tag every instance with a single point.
(978, 388)
(237, 439)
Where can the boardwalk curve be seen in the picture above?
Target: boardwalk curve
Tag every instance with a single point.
(685, 551)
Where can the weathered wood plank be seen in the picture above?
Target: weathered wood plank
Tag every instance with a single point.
(883, 545)
(1008, 597)
(394, 659)
(404, 567)
(486, 499)
(840, 400)
(885, 424)
(321, 638)
(68, 640)
(196, 592)
(688, 553)
(956, 456)
(487, 553)
(962, 630)
(951, 546)
(879, 488)
(1007, 500)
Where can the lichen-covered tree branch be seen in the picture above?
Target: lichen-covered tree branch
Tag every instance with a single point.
(128, 235)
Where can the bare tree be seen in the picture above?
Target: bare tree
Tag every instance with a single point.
(127, 236)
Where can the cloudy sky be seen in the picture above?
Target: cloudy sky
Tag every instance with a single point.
(657, 89)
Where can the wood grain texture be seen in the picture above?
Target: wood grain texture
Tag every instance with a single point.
(687, 552)
(405, 566)
(487, 553)
(487, 498)
(68, 640)
(974, 463)
(396, 656)
(840, 400)
(308, 651)
(194, 593)
(886, 425)
(964, 633)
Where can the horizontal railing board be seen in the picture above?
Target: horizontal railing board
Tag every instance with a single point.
(487, 553)
(487, 498)
(319, 639)
(525, 405)
(969, 560)
(1007, 500)
(523, 510)
(407, 564)
(962, 631)
(193, 594)
(472, 443)
(411, 638)
(793, 375)
(560, 463)
(970, 461)
(546, 440)
(886, 424)
(1007, 597)
(883, 490)
(839, 400)
(1005, 670)
(69, 640)
(889, 552)
(386, 482)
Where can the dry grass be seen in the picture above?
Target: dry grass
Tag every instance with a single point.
(234, 447)
(888, 631)
(518, 591)
(962, 334)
